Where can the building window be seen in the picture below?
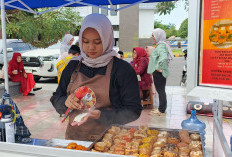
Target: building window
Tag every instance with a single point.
(95, 10)
(115, 27)
(113, 13)
(104, 11)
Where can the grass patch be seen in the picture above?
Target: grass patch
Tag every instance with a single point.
(177, 52)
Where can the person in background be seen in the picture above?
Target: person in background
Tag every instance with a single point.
(65, 45)
(113, 81)
(120, 55)
(73, 53)
(158, 66)
(149, 50)
(140, 64)
(17, 74)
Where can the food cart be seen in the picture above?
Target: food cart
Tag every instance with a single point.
(194, 88)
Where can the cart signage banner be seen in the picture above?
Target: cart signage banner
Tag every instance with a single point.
(215, 68)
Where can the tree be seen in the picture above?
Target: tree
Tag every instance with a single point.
(170, 29)
(167, 7)
(183, 30)
(42, 30)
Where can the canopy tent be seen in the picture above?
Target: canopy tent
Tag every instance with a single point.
(29, 5)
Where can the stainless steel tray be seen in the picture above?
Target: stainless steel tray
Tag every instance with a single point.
(63, 143)
(152, 128)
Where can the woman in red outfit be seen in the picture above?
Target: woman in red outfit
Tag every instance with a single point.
(18, 74)
(140, 64)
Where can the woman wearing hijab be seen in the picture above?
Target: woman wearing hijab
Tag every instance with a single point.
(158, 66)
(17, 74)
(65, 45)
(113, 81)
(140, 65)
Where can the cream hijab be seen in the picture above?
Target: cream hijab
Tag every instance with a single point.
(64, 45)
(103, 26)
(160, 37)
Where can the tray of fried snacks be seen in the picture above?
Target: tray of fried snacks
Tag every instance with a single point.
(144, 141)
(68, 144)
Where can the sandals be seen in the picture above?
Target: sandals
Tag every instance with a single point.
(157, 112)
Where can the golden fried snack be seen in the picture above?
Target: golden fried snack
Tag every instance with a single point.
(152, 132)
(195, 137)
(196, 154)
(71, 146)
(108, 142)
(173, 140)
(100, 146)
(170, 154)
(195, 145)
(159, 144)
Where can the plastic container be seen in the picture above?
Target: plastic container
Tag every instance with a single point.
(194, 124)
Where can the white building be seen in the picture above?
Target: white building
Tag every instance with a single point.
(145, 22)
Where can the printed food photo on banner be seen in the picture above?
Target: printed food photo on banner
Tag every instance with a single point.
(220, 34)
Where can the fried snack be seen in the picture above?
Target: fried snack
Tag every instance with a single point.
(71, 146)
(152, 132)
(170, 148)
(196, 154)
(143, 155)
(147, 140)
(195, 137)
(145, 149)
(173, 140)
(163, 134)
(108, 136)
(157, 155)
(100, 146)
(184, 136)
(117, 141)
(195, 145)
(170, 154)
(159, 144)
(114, 130)
(80, 147)
(108, 142)
(131, 151)
(162, 139)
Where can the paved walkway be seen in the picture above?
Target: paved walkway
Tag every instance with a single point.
(44, 123)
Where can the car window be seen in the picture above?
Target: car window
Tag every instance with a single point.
(22, 47)
(13, 46)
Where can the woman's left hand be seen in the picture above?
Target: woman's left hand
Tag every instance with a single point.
(25, 75)
(93, 114)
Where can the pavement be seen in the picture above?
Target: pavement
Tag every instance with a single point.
(44, 123)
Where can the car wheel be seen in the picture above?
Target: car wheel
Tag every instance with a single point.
(36, 78)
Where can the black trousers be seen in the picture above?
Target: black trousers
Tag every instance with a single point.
(160, 83)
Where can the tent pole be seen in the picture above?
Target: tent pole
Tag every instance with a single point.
(4, 45)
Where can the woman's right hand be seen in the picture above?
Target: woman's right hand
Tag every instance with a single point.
(73, 102)
(15, 72)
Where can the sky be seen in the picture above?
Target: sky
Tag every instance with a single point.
(176, 16)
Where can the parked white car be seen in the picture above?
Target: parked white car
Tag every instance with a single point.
(42, 62)
(14, 45)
